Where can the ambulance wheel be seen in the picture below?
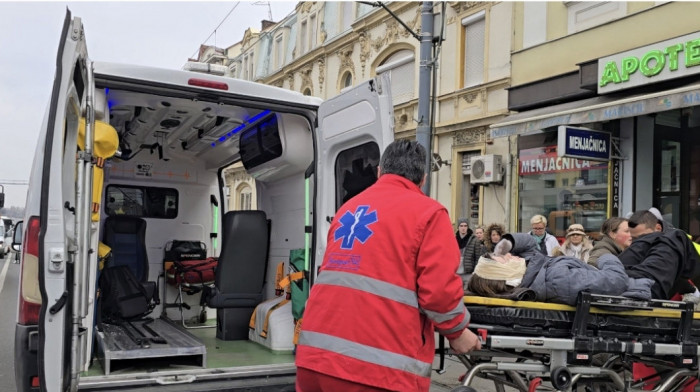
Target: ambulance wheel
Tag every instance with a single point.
(464, 388)
(561, 378)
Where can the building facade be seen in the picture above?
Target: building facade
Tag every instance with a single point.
(324, 47)
(509, 75)
(613, 75)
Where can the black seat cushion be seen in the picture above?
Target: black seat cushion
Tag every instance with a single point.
(127, 238)
(240, 273)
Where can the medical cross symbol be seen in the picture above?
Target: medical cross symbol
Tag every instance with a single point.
(354, 227)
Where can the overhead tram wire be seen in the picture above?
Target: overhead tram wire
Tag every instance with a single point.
(216, 28)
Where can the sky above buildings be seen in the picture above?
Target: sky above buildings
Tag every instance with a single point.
(154, 33)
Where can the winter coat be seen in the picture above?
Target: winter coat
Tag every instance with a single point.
(606, 245)
(549, 241)
(381, 297)
(475, 248)
(669, 258)
(566, 249)
(560, 279)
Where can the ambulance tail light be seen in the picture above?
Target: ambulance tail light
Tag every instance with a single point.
(29, 298)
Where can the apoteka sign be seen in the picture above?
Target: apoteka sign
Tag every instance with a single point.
(583, 143)
(670, 59)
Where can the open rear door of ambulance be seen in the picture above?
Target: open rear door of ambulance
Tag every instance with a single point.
(58, 246)
(354, 128)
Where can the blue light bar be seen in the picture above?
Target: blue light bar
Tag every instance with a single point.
(239, 128)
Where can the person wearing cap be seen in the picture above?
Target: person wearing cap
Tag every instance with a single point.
(666, 256)
(615, 238)
(576, 245)
(517, 262)
(463, 233)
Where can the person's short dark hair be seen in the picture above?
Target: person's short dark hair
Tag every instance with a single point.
(405, 158)
(611, 225)
(643, 217)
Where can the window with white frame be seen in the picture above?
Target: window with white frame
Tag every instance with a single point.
(245, 198)
(347, 14)
(312, 32)
(245, 74)
(303, 37)
(401, 68)
(251, 67)
(347, 80)
(279, 51)
(583, 15)
(474, 48)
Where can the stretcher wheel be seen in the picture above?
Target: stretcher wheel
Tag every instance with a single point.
(203, 316)
(561, 378)
(464, 388)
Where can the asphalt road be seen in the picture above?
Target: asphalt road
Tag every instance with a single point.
(9, 280)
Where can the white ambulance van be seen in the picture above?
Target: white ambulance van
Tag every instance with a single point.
(134, 157)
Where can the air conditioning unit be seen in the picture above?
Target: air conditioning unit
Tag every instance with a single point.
(486, 169)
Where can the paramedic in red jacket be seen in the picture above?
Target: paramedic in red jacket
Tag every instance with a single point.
(387, 282)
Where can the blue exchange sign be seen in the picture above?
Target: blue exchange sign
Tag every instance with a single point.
(583, 144)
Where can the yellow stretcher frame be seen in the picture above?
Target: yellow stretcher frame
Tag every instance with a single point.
(500, 302)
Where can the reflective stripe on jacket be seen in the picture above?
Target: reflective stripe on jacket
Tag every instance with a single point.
(387, 282)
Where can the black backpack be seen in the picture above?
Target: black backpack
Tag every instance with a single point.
(122, 296)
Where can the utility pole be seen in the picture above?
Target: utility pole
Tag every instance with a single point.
(423, 133)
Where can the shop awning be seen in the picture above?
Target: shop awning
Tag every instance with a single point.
(597, 109)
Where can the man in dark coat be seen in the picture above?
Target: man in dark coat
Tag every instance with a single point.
(665, 255)
(463, 233)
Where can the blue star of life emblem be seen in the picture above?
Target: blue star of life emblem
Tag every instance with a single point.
(354, 227)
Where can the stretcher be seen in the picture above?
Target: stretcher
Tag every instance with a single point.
(601, 344)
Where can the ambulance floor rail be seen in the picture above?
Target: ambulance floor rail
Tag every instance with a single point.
(570, 363)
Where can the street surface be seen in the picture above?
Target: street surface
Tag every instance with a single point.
(9, 279)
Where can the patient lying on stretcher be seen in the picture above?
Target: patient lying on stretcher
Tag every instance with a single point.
(516, 264)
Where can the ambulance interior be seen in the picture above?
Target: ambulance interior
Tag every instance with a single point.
(165, 183)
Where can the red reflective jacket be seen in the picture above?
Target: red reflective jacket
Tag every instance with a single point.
(387, 281)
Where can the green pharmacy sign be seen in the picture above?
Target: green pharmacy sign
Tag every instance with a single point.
(670, 59)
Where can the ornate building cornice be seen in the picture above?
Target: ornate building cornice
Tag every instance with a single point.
(321, 72)
(470, 136)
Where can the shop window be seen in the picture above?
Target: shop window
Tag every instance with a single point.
(401, 68)
(355, 170)
(564, 190)
(142, 202)
(474, 48)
